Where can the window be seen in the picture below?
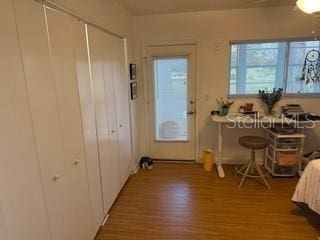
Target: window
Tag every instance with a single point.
(268, 65)
(171, 95)
(297, 54)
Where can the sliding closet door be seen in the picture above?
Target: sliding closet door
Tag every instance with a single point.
(88, 122)
(60, 28)
(22, 207)
(121, 86)
(44, 109)
(106, 118)
(52, 88)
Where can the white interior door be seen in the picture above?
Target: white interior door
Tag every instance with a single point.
(22, 203)
(43, 104)
(60, 29)
(171, 101)
(51, 83)
(101, 65)
(121, 90)
(88, 123)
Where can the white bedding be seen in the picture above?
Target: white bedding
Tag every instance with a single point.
(308, 188)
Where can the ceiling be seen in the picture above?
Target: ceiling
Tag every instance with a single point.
(148, 7)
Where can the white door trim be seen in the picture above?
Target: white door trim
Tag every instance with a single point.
(146, 92)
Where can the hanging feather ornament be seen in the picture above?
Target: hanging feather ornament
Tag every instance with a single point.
(311, 68)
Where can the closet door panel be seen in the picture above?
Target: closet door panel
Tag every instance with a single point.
(108, 153)
(121, 86)
(88, 122)
(21, 192)
(41, 89)
(51, 143)
(115, 51)
(108, 60)
(61, 43)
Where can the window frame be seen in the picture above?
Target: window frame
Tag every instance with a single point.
(285, 74)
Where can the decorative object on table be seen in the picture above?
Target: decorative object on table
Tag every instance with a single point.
(270, 98)
(146, 163)
(306, 117)
(224, 106)
(133, 71)
(311, 68)
(134, 90)
(215, 112)
(242, 109)
(249, 107)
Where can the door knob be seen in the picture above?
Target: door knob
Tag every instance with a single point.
(190, 113)
(55, 177)
(113, 131)
(76, 162)
(121, 125)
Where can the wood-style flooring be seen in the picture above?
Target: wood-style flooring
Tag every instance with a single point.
(181, 201)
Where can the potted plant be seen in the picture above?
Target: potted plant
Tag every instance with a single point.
(224, 106)
(270, 98)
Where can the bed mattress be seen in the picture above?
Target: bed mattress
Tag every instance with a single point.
(308, 188)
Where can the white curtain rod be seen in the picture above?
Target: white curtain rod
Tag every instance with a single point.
(74, 15)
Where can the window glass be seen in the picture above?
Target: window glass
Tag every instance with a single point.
(171, 95)
(256, 66)
(297, 55)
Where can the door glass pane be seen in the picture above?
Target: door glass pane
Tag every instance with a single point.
(171, 96)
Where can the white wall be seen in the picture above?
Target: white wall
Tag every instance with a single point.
(113, 17)
(107, 13)
(212, 31)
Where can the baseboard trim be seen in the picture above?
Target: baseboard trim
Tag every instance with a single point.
(136, 168)
(105, 220)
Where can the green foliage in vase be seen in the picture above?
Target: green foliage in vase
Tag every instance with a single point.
(270, 98)
(224, 104)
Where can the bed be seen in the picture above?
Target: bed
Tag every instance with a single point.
(308, 189)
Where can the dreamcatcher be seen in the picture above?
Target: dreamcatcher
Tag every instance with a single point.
(311, 68)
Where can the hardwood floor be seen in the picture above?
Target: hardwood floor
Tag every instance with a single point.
(181, 201)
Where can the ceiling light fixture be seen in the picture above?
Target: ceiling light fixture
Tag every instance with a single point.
(309, 6)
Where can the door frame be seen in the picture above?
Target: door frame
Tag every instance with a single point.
(147, 95)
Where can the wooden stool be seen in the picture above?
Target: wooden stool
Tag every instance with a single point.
(254, 143)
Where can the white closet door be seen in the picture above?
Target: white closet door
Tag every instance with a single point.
(41, 88)
(121, 84)
(22, 211)
(54, 111)
(88, 123)
(105, 118)
(61, 42)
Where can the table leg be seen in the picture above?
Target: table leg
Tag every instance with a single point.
(220, 146)
(301, 154)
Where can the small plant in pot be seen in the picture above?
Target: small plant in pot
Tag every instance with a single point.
(270, 98)
(224, 106)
